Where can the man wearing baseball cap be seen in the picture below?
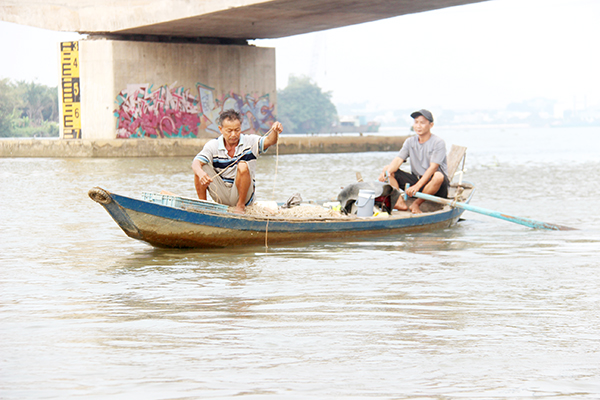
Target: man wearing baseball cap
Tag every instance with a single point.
(429, 168)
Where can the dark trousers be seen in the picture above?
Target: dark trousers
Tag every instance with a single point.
(404, 177)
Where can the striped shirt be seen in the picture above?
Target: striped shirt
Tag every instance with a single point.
(248, 150)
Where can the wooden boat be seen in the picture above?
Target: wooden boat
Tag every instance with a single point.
(173, 221)
(194, 223)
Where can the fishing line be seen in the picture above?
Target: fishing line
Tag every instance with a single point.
(239, 157)
(273, 192)
(216, 197)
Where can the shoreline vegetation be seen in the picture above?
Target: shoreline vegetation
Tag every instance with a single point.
(28, 110)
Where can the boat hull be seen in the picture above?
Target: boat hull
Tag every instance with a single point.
(166, 226)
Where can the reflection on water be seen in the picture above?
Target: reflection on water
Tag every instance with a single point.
(486, 309)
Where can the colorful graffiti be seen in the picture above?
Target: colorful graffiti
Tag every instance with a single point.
(173, 112)
(257, 112)
(163, 112)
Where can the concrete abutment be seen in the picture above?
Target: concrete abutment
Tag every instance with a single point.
(137, 89)
(162, 99)
(83, 148)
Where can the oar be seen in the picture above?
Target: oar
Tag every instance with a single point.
(507, 217)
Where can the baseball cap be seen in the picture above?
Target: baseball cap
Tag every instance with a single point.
(423, 112)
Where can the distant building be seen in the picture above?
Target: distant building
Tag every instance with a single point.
(354, 124)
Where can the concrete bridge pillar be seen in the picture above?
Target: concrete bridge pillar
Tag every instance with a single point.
(142, 89)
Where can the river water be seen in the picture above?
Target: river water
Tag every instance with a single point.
(484, 310)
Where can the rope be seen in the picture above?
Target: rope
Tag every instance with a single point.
(216, 197)
(230, 165)
(240, 157)
(267, 234)
(213, 194)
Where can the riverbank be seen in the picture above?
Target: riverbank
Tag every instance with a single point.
(79, 148)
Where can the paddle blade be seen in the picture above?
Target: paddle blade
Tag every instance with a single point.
(535, 224)
(507, 217)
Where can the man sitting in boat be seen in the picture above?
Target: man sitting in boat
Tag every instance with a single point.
(225, 166)
(429, 168)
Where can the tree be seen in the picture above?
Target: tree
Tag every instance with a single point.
(39, 102)
(303, 107)
(7, 107)
(28, 109)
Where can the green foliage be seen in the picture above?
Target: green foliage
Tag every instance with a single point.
(24, 128)
(7, 107)
(304, 108)
(28, 109)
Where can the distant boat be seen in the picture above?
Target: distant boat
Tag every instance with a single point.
(354, 124)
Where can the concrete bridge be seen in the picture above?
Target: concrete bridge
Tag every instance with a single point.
(166, 69)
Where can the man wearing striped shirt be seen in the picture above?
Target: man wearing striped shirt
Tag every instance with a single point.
(225, 166)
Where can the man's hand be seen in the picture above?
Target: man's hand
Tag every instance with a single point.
(384, 176)
(389, 170)
(273, 136)
(277, 127)
(412, 190)
(204, 179)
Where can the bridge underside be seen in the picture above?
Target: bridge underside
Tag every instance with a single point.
(166, 69)
(234, 19)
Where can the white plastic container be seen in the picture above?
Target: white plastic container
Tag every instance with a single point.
(365, 203)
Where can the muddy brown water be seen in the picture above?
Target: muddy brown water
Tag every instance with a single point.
(485, 310)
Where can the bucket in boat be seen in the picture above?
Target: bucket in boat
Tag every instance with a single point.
(365, 203)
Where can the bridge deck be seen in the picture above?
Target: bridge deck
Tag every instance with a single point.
(235, 19)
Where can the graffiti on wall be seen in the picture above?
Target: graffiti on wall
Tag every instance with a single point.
(173, 112)
(164, 112)
(257, 113)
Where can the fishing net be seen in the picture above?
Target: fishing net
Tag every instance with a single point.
(304, 211)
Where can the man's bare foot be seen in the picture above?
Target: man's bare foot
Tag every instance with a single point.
(401, 205)
(415, 209)
(239, 210)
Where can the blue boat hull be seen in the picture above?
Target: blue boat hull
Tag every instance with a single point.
(166, 226)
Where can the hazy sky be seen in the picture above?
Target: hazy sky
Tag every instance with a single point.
(479, 55)
(475, 56)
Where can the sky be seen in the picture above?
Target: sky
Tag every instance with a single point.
(477, 56)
